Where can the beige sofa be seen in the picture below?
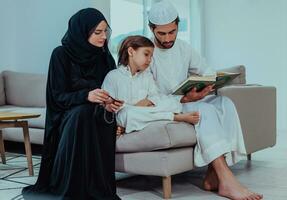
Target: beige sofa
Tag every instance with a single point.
(163, 148)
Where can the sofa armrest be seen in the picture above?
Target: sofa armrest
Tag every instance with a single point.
(241, 79)
(256, 107)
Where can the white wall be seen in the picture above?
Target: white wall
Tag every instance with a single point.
(7, 34)
(253, 33)
(249, 32)
(31, 29)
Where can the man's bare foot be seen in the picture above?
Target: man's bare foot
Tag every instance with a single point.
(210, 182)
(232, 189)
(192, 117)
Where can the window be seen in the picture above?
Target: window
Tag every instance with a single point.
(129, 17)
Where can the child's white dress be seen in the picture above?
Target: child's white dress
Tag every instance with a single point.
(131, 89)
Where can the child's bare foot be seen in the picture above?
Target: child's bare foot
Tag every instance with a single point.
(192, 117)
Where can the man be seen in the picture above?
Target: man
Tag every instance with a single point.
(219, 136)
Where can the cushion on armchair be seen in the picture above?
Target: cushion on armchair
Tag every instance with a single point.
(158, 135)
(25, 89)
(38, 122)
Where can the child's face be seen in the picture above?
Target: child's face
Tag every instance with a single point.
(141, 57)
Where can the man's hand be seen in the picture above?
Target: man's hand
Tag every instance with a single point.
(144, 103)
(193, 95)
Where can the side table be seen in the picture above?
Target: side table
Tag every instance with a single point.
(13, 119)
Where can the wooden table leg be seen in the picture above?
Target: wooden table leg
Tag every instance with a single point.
(2, 148)
(166, 187)
(28, 147)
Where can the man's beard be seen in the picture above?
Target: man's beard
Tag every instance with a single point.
(164, 45)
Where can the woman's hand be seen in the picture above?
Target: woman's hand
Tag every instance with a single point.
(193, 95)
(98, 96)
(144, 103)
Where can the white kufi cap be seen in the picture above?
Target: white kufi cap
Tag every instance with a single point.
(162, 13)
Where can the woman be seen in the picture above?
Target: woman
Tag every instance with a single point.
(78, 160)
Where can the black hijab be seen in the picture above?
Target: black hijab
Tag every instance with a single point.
(75, 41)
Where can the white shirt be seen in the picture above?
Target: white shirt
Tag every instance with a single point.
(172, 66)
(121, 84)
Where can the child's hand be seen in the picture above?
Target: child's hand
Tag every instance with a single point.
(113, 100)
(113, 105)
(144, 103)
(120, 130)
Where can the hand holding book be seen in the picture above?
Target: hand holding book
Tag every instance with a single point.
(194, 95)
(200, 82)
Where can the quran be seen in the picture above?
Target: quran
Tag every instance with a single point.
(200, 82)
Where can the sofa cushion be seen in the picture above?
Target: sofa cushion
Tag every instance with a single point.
(241, 79)
(156, 163)
(16, 135)
(25, 89)
(158, 135)
(38, 122)
(2, 92)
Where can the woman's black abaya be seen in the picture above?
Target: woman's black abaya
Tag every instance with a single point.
(78, 159)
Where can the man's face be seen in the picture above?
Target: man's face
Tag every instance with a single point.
(165, 35)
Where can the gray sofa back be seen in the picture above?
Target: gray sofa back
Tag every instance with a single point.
(29, 90)
(241, 79)
(24, 89)
(2, 92)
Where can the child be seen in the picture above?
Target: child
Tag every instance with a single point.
(133, 83)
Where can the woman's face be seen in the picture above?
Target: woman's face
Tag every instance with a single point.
(99, 36)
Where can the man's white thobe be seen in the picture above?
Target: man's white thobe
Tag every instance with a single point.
(218, 131)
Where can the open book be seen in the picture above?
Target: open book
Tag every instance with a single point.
(200, 82)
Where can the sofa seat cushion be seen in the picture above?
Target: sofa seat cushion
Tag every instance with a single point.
(156, 163)
(158, 135)
(16, 135)
(38, 122)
